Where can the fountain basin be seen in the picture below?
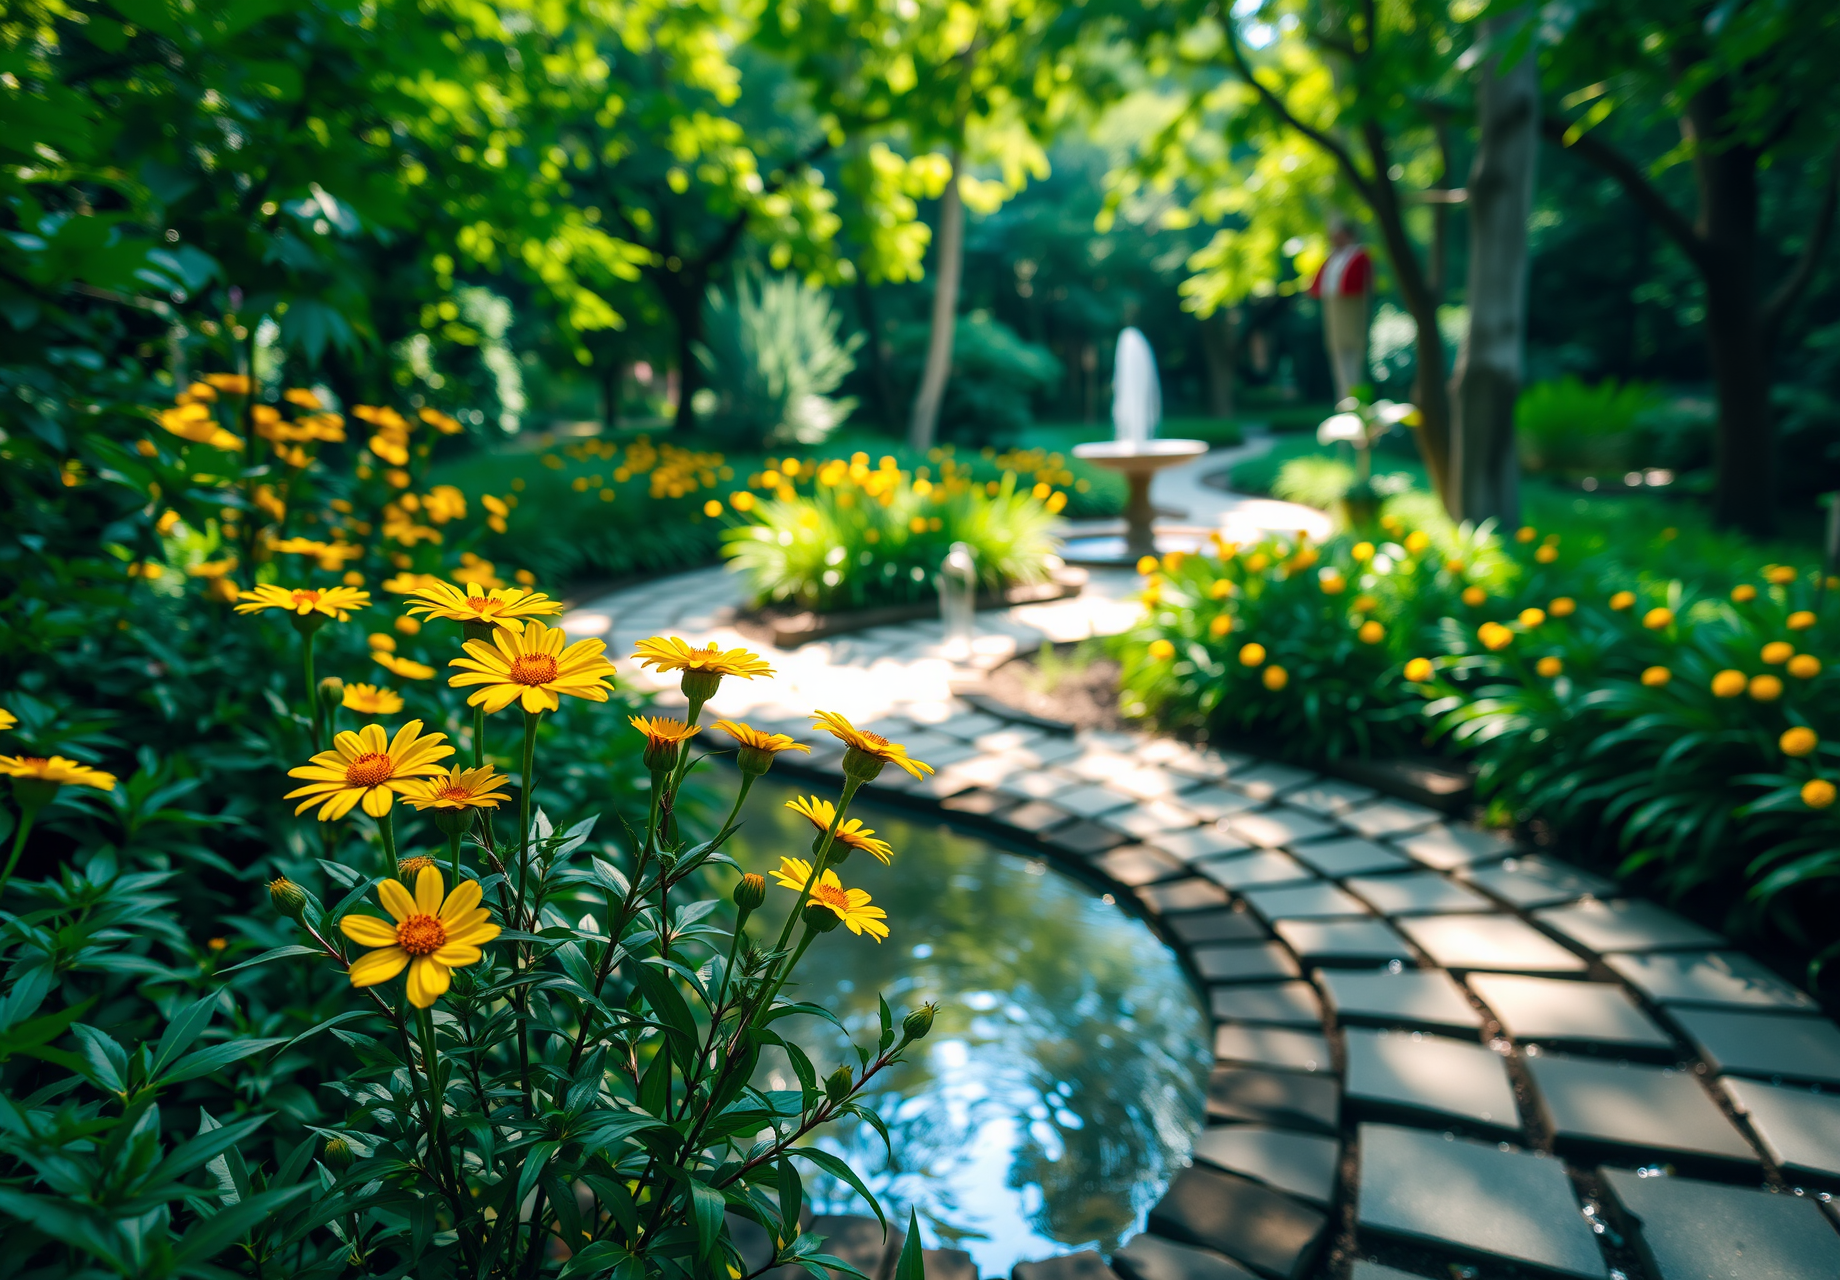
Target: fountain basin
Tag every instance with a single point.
(1138, 461)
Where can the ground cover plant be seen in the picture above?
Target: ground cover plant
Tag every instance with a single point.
(1674, 723)
(219, 1056)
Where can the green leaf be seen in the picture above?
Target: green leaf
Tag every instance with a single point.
(843, 1173)
(911, 1266)
(214, 1058)
(274, 953)
(218, 1232)
(708, 1206)
(181, 1032)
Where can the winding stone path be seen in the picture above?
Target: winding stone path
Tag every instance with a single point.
(1436, 1054)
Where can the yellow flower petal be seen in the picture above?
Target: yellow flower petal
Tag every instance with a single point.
(368, 931)
(378, 966)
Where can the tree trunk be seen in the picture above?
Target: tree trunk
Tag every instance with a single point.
(682, 295)
(1488, 372)
(878, 357)
(1220, 349)
(949, 262)
(1428, 390)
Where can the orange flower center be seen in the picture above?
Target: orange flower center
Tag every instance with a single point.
(533, 668)
(481, 604)
(421, 935)
(306, 599)
(832, 896)
(372, 769)
(872, 741)
(454, 791)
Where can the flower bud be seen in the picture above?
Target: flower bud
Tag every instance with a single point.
(750, 893)
(289, 898)
(862, 766)
(838, 1084)
(916, 1024)
(753, 761)
(452, 822)
(700, 686)
(820, 918)
(332, 692)
(337, 1155)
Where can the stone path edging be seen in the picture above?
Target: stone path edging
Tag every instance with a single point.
(1433, 1049)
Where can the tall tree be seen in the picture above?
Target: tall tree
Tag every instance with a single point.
(1500, 196)
(1744, 84)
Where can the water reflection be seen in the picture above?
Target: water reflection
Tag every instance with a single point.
(1063, 1078)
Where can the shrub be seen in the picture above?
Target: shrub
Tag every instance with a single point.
(1564, 427)
(996, 377)
(1315, 480)
(773, 358)
(865, 537)
(1678, 733)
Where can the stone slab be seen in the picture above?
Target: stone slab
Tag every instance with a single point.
(1267, 781)
(1272, 1047)
(1244, 871)
(1710, 977)
(1318, 901)
(1138, 864)
(1097, 766)
(1446, 848)
(946, 1264)
(1553, 1010)
(1417, 893)
(1036, 817)
(1303, 1164)
(1344, 941)
(1626, 924)
(1285, 1099)
(1182, 895)
(1271, 828)
(978, 802)
(1036, 785)
(1266, 1230)
(1799, 1128)
(1217, 926)
(1287, 1004)
(1767, 1044)
(1365, 1270)
(1194, 843)
(1412, 997)
(1475, 1196)
(1489, 942)
(1412, 1071)
(1244, 962)
(1090, 802)
(1352, 857)
(1083, 838)
(1149, 1257)
(1690, 1230)
(1591, 1104)
(1149, 819)
(1084, 1265)
(859, 1241)
(1390, 818)
(1536, 881)
(1211, 804)
(1146, 782)
(1327, 797)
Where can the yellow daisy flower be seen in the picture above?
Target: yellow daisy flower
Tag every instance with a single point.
(7, 719)
(849, 905)
(372, 700)
(336, 603)
(668, 653)
(758, 748)
(54, 771)
(366, 766)
(872, 745)
(457, 789)
(661, 731)
(500, 607)
(531, 667)
(407, 668)
(851, 833)
(431, 937)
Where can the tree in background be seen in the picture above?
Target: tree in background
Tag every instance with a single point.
(1746, 86)
(1485, 469)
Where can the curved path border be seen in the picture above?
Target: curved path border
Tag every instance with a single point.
(1436, 1054)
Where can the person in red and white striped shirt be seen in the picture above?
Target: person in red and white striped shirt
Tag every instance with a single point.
(1345, 284)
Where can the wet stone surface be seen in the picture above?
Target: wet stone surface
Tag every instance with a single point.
(1401, 1071)
(1690, 1230)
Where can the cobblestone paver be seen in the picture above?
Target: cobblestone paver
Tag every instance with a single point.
(1437, 1054)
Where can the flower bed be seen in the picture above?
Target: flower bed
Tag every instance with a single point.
(1680, 732)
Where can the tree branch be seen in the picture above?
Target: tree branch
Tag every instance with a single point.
(1776, 307)
(1271, 100)
(1634, 184)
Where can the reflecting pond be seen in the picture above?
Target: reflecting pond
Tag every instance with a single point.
(1063, 1079)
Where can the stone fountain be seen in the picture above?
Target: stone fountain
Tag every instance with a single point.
(1134, 450)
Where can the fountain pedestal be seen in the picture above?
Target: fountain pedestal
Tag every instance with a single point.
(1138, 461)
